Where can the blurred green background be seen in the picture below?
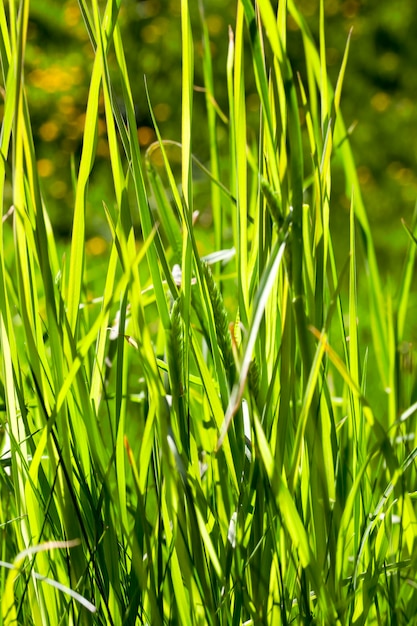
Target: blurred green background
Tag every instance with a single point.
(377, 100)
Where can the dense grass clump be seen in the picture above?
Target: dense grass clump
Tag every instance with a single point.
(198, 443)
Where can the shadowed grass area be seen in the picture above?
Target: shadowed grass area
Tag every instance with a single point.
(197, 443)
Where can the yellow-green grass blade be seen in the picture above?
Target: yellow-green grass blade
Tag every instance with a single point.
(293, 524)
(377, 428)
(324, 83)
(270, 276)
(346, 530)
(358, 434)
(275, 524)
(166, 216)
(218, 218)
(76, 268)
(5, 44)
(296, 173)
(406, 279)
(239, 151)
(139, 183)
(265, 92)
(186, 183)
(27, 288)
(201, 282)
(340, 78)
(216, 409)
(340, 140)
(377, 515)
(115, 158)
(311, 385)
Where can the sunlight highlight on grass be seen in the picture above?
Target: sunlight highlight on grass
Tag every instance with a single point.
(189, 434)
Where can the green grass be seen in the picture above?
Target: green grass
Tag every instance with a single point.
(198, 443)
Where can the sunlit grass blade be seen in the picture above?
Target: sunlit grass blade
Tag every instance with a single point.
(238, 137)
(294, 525)
(259, 307)
(218, 218)
(352, 187)
(406, 282)
(76, 267)
(201, 417)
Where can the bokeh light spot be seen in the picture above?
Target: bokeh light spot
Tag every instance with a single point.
(146, 135)
(75, 75)
(389, 61)
(101, 126)
(150, 34)
(71, 14)
(76, 127)
(52, 79)
(45, 168)
(102, 148)
(364, 175)
(332, 7)
(66, 105)
(215, 24)
(49, 131)
(309, 7)
(401, 174)
(350, 8)
(96, 246)
(380, 101)
(58, 189)
(148, 8)
(162, 111)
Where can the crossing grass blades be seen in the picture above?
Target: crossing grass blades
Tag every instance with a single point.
(197, 442)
